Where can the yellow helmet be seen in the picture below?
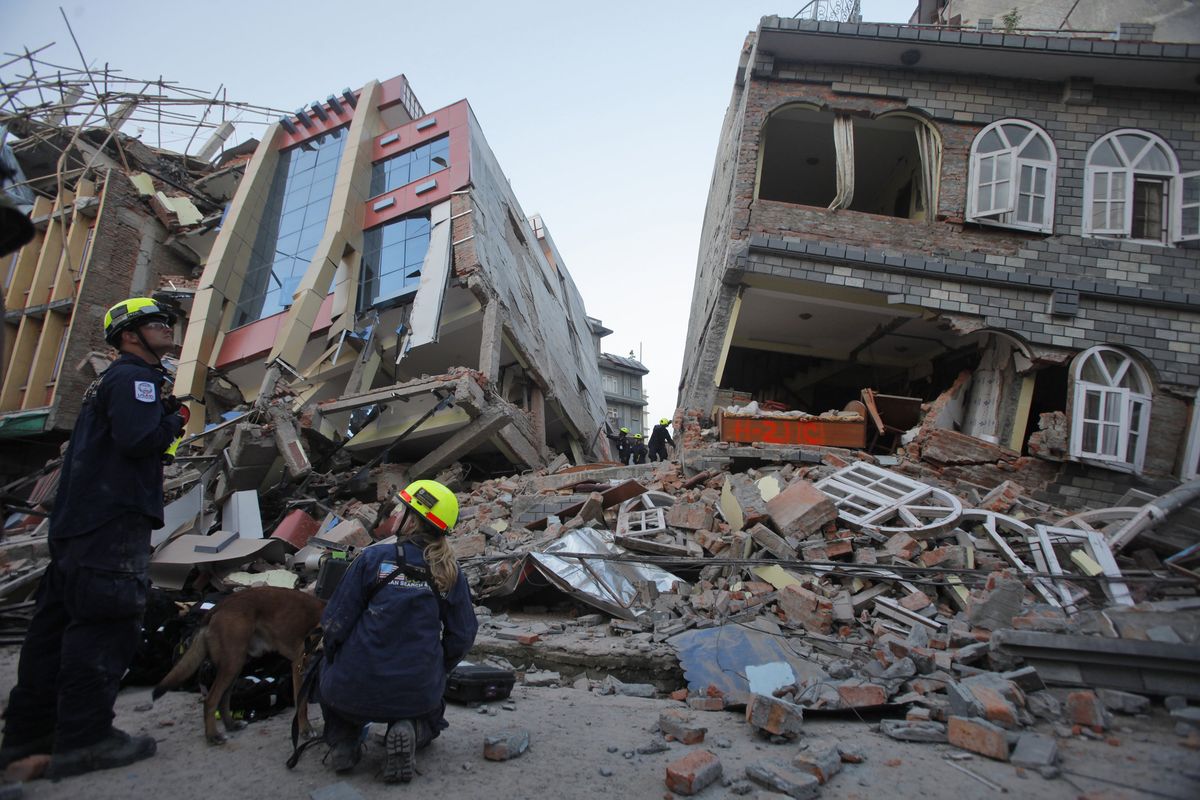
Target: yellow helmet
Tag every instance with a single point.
(624, 430)
(637, 436)
(433, 501)
(664, 421)
(128, 314)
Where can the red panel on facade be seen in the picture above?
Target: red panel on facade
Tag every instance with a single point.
(256, 339)
(452, 119)
(303, 134)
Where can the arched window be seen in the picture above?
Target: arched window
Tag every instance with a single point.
(1112, 408)
(1133, 190)
(886, 165)
(1012, 176)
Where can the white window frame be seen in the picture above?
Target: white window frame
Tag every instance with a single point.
(1005, 214)
(1118, 396)
(1181, 210)
(1191, 453)
(1130, 170)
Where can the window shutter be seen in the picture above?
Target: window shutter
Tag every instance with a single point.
(1185, 195)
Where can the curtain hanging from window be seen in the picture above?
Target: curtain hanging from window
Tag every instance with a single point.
(843, 142)
(930, 149)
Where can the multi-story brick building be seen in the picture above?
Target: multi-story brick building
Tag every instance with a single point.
(375, 252)
(1015, 216)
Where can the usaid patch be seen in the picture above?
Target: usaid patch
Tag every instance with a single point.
(144, 391)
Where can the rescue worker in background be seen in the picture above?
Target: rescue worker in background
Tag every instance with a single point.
(88, 617)
(660, 437)
(390, 646)
(637, 450)
(623, 444)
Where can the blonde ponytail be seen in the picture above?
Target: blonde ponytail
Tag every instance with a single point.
(439, 555)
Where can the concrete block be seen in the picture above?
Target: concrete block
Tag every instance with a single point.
(774, 716)
(690, 774)
(777, 776)
(766, 538)
(800, 509)
(914, 731)
(995, 609)
(820, 759)
(1123, 702)
(809, 609)
(505, 745)
(995, 708)
(680, 726)
(348, 533)
(1035, 750)
(978, 736)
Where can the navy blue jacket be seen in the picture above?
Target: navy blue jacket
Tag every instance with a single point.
(113, 464)
(391, 658)
(660, 436)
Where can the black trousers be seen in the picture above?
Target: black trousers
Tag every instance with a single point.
(85, 628)
(658, 451)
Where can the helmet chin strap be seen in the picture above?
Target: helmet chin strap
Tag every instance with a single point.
(138, 333)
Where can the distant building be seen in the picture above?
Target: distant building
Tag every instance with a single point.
(623, 395)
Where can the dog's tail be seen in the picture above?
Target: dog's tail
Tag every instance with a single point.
(186, 666)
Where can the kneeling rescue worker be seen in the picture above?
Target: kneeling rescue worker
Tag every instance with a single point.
(399, 621)
(88, 617)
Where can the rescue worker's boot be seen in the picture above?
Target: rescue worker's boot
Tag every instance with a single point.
(116, 749)
(401, 746)
(14, 751)
(344, 756)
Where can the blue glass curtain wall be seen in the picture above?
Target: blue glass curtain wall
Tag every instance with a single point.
(391, 260)
(409, 166)
(293, 222)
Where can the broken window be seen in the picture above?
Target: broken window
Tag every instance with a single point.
(392, 258)
(1012, 176)
(1133, 189)
(1112, 409)
(884, 165)
(409, 166)
(293, 222)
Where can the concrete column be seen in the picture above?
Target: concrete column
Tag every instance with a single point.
(492, 340)
(537, 414)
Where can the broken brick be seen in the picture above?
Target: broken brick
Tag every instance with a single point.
(774, 716)
(978, 736)
(800, 509)
(679, 725)
(819, 759)
(783, 778)
(861, 695)
(1084, 708)
(693, 772)
(903, 546)
(802, 607)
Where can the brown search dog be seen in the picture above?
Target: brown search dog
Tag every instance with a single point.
(248, 624)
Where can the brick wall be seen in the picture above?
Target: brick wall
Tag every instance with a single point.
(124, 226)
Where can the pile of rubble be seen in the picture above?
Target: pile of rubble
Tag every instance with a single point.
(779, 580)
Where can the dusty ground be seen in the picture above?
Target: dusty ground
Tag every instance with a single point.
(584, 745)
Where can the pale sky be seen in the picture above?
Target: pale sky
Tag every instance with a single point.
(604, 115)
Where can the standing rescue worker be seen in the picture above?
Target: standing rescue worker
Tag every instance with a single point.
(399, 621)
(660, 437)
(88, 617)
(637, 450)
(623, 443)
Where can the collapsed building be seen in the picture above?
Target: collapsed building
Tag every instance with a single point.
(373, 253)
(113, 216)
(1017, 251)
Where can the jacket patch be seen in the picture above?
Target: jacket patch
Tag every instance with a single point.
(144, 391)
